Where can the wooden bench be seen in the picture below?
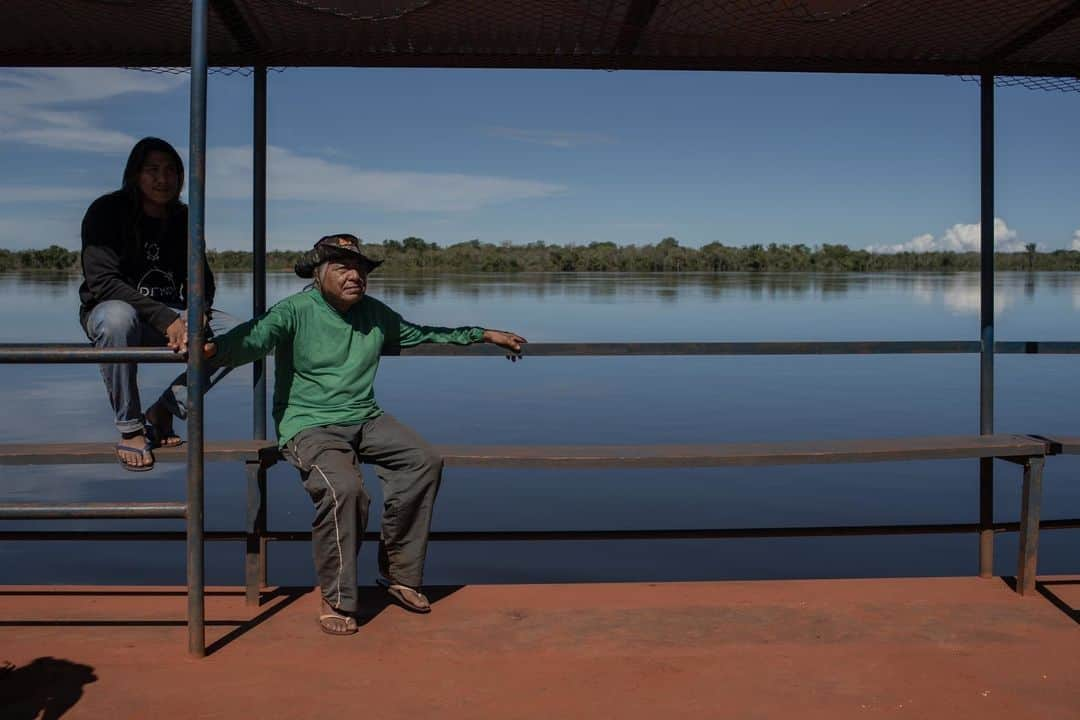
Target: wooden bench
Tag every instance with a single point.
(1027, 451)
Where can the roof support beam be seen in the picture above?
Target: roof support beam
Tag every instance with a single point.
(986, 319)
(1033, 34)
(238, 27)
(196, 291)
(258, 242)
(638, 15)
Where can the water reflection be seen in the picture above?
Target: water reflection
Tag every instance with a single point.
(39, 284)
(956, 291)
(953, 290)
(40, 307)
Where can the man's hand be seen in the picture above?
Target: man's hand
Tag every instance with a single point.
(176, 335)
(507, 340)
(209, 350)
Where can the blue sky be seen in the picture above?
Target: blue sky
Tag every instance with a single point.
(558, 156)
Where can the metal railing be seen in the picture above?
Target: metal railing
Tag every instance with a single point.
(83, 353)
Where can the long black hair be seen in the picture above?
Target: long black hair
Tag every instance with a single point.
(130, 185)
(137, 158)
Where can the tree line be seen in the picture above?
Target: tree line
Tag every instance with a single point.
(417, 255)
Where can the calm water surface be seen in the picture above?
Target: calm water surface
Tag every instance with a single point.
(606, 400)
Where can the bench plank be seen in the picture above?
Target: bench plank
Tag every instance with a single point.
(95, 453)
(643, 456)
(746, 454)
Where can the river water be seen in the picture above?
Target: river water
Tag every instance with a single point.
(605, 400)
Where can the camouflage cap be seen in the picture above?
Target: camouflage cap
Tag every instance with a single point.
(341, 246)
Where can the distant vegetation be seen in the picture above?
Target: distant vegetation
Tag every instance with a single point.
(53, 257)
(416, 255)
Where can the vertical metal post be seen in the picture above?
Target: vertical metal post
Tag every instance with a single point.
(258, 244)
(986, 317)
(257, 484)
(254, 554)
(261, 526)
(1030, 510)
(196, 291)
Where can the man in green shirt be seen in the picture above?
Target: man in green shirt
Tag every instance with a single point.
(327, 341)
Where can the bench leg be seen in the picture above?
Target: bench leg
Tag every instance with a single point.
(986, 517)
(261, 526)
(255, 529)
(1030, 508)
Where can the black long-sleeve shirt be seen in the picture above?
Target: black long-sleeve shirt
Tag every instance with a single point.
(146, 268)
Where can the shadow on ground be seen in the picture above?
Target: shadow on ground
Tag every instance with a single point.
(43, 689)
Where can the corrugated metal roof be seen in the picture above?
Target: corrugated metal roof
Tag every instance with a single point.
(1008, 37)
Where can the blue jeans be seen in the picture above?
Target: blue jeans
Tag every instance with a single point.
(113, 324)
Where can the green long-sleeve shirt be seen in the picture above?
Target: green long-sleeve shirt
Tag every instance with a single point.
(325, 360)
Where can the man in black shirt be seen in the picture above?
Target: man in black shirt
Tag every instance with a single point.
(134, 261)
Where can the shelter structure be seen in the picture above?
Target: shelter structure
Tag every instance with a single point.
(1030, 42)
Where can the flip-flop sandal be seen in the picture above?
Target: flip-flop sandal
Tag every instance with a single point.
(334, 623)
(397, 592)
(144, 451)
(167, 441)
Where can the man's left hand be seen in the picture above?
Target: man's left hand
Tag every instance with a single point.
(507, 340)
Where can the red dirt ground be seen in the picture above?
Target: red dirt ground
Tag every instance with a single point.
(917, 648)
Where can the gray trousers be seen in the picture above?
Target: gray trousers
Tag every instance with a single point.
(329, 458)
(114, 323)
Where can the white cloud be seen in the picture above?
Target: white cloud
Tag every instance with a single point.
(87, 139)
(1076, 240)
(922, 243)
(54, 86)
(958, 238)
(551, 138)
(11, 194)
(298, 177)
(32, 105)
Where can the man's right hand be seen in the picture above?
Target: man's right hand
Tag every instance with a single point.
(506, 340)
(176, 335)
